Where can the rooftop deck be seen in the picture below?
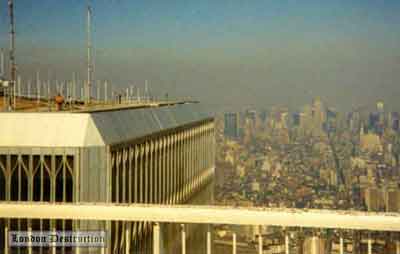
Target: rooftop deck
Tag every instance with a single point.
(26, 104)
(94, 125)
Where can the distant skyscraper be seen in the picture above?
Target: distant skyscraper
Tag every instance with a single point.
(392, 200)
(396, 124)
(231, 127)
(354, 121)
(318, 113)
(331, 114)
(380, 106)
(252, 122)
(394, 121)
(252, 116)
(331, 120)
(373, 199)
(263, 115)
(375, 122)
(306, 117)
(283, 118)
(381, 117)
(296, 119)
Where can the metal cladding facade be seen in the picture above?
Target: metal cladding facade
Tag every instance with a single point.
(148, 155)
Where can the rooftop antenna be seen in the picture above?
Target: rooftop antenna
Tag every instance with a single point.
(73, 86)
(98, 90)
(89, 55)
(2, 79)
(38, 86)
(48, 93)
(19, 86)
(2, 64)
(29, 89)
(146, 91)
(131, 94)
(13, 68)
(105, 91)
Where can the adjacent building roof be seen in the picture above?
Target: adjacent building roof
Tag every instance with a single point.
(67, 129)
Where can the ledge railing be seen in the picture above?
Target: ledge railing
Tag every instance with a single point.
(183, 214)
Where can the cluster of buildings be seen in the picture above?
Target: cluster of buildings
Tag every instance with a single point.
(316, 157)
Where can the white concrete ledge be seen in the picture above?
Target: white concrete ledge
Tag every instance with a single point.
(204, 214)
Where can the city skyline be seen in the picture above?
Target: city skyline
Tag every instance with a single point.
(226, 126)
(261, 53)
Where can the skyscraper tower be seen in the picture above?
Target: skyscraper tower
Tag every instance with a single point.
(381, 116)
(318, 112)
(380, 106)
(231, 126)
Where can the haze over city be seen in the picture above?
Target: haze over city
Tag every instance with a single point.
(226, 127)
(228, 54)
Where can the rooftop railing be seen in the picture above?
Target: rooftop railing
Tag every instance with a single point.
(188, 214)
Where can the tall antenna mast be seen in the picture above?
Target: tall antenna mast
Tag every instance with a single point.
(89, 55)
(146, 91)
(2, 64)
(13, 68)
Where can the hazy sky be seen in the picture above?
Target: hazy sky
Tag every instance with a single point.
(226, 53)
